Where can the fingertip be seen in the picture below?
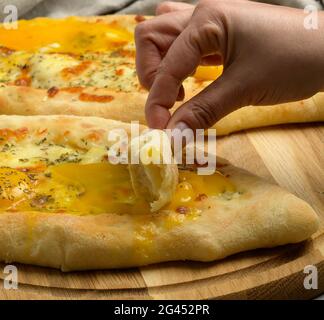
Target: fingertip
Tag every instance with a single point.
(177, 120)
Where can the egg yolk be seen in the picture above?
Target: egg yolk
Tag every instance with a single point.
(97, 188)
(64, 35)
(205, 73)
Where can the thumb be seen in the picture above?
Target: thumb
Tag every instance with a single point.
(220, 98)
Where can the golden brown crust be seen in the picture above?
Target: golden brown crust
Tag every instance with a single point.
(30, 101)
(121, 106)
(58, 125)
(308, 110)
(259, 214)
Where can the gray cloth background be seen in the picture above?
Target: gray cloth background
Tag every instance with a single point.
(59, 8)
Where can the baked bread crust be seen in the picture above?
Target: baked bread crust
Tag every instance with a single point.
(308, 110)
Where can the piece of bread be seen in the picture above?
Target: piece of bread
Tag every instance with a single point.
(228, 212)
(155, 173)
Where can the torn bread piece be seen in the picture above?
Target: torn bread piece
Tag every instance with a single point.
(154, 173)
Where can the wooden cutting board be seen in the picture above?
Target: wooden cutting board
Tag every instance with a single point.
(293, 157)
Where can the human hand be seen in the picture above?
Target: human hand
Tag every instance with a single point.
(268, 57)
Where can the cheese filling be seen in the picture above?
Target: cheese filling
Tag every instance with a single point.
(97, 188)
(70, 35)
(43, 172)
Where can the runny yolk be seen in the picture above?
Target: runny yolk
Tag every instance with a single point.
(73, 188)
(205, 73)
(193, 188)
(63, 35)
(97, 188)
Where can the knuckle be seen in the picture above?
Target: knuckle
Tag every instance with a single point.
(212, 11)
(142, 30)
(206, 37)
(147, 79)
(203, 114)
(203, 3)
(194, 36)
(207, 4)
(211, 33)
(163, 7)
(239, 93)
(162, 68)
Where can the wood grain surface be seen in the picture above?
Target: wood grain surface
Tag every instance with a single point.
(290, 155)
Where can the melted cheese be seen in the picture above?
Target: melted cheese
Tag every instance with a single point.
(187, 205)
(57, 70)
(11, 66)
(28, 154)
(42, 172)
(193, 189)
(81, 189)
(63, 35)
(98, 188)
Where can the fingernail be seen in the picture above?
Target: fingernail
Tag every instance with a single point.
(181, 126)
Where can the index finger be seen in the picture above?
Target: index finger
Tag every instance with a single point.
(181, 60)
(153, 38)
